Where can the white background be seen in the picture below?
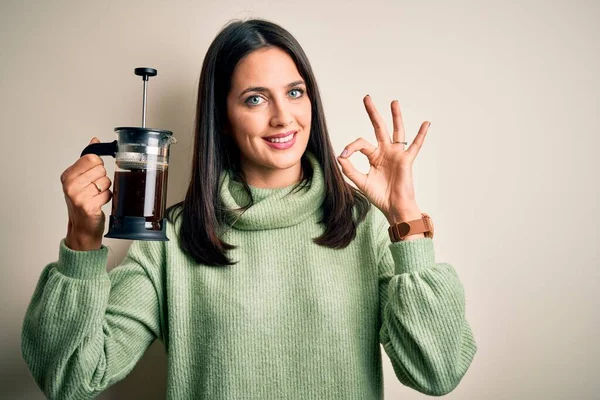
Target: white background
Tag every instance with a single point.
(508, 170)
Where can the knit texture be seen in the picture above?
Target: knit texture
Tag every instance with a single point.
(291, 320)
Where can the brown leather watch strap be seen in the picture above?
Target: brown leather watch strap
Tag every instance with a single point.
(400, 230)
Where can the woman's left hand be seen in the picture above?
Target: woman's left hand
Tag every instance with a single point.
(389, 183)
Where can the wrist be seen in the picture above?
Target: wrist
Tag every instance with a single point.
(82, 242)
(403, 214)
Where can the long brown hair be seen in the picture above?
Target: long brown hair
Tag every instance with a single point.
(214, 152)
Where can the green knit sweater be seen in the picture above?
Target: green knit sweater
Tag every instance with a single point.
(291, 320)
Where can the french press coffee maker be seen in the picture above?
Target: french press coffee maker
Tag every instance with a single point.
(141, 172)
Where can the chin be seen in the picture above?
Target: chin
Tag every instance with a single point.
(285, 161)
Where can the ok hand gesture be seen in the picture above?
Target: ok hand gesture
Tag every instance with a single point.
(389, 183)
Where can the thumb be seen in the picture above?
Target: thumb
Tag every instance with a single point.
(357, 177)
(94, 140)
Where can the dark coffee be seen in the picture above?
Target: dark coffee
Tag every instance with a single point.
(141, 193)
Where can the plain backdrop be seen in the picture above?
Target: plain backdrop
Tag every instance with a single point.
(508, 171)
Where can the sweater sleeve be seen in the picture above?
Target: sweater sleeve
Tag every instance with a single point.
(422, 313)
(85, 329)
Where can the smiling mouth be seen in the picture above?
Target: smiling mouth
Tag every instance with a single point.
(281, 140)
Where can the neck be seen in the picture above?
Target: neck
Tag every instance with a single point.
(273, 178)
(274, 208)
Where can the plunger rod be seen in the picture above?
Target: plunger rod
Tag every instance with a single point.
(144, 103)
(145, 72)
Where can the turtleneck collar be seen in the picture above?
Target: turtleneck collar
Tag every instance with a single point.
(272, 208)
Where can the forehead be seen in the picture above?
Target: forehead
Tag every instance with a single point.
(270, 67)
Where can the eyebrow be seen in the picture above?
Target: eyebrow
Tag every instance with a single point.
(264, 89)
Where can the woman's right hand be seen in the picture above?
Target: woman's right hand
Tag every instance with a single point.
(85, 201)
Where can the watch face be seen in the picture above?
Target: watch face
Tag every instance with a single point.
(403, 229)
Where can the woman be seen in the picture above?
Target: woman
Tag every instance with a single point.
(280, 280)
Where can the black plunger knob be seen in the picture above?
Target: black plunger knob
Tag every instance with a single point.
(145, 72)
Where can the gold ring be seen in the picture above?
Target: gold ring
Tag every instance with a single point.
(97, 187)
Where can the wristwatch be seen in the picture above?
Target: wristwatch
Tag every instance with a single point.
(400, 230)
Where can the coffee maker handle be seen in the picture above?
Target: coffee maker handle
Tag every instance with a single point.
(102, 149)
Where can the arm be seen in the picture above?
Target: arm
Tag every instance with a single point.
(85, 329)
(422, 313)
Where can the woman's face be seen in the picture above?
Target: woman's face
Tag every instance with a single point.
(268, 97)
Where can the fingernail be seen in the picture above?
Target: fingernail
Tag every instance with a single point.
(344, 153)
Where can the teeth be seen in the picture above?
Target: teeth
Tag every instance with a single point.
(282, 140)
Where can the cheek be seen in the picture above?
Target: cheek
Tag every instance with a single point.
(305, 116)
(247, 125)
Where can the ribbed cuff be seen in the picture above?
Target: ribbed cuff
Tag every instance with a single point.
(412, 255)
(89, 264)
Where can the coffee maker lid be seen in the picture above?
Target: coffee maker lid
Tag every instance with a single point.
(142, 130)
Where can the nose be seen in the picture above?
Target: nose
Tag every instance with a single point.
(281, 113)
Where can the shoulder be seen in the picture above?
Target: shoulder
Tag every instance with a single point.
(152, 254)
(373, 216)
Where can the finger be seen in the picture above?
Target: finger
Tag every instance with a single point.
(101, 199)
(92, 175)
(83, 164)
(357, 177)
(381, 132)
(361, 145)
(416, 145)
(398, 134)
(103, 183)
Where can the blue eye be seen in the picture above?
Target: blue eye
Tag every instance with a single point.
(298, 90)
(254, 104)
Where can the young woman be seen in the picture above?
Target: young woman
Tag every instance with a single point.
(280, 280)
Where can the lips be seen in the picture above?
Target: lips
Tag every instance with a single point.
(282, 145)
(280, 135)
